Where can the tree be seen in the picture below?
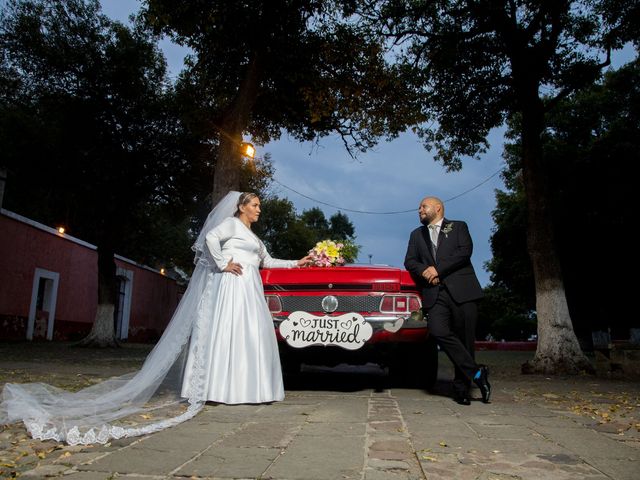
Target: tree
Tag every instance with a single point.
(478, 63)
(592, 138)
(263, 67)
(90, 133)
(341, 227)
(315, 220)
(508, 309)
(510, 265)
(502, 315)
(281, 230)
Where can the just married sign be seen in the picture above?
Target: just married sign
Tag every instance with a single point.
(349, 331)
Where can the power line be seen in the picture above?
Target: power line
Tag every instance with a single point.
(341, 208)
(477, 186)
(412, 210)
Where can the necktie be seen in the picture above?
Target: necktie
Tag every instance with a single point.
(433, 233)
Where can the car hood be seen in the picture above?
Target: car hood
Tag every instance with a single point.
(371, 277)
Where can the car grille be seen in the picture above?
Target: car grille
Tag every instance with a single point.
(347, 303)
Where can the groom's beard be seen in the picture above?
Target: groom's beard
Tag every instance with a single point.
(425, 221)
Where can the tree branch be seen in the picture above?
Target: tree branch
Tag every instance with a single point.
(565, 92)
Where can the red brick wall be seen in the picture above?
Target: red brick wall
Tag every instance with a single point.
(24, 247)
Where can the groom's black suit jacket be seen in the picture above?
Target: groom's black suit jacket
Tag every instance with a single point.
(453, 262)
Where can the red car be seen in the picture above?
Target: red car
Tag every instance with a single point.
(353, 314)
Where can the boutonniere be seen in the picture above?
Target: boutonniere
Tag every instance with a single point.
(446, 229)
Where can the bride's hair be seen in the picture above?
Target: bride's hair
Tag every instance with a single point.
(245, 197)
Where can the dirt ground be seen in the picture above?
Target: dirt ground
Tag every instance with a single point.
(65, 365)
(611, 400)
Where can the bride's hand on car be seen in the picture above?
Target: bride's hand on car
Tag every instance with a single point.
(305, 261)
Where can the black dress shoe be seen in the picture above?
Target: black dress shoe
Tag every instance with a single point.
(483, 384)
(462, 399)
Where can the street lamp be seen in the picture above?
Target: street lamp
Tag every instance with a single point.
(247, 149)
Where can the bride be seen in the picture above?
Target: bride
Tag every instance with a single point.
(219, 346)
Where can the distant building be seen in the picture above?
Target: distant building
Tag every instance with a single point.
(49, 287)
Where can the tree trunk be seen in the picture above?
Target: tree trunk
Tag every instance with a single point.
(234, 123)
(558, 349)
(103, 332)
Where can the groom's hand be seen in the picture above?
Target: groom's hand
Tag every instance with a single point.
(431, 276)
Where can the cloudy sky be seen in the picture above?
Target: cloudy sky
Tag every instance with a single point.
(393, 177)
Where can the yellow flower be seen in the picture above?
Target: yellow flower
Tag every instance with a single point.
(332, 251)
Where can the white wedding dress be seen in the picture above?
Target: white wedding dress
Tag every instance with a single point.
(219, 346)
(238, 346)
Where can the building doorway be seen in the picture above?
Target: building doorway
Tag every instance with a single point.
(42, 311)
(123, 302)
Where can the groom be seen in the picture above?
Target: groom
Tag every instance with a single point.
(439, 259)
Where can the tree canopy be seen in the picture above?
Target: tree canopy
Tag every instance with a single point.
(88, 122)
(260, 68)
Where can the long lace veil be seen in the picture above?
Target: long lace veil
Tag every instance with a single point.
(137, 403)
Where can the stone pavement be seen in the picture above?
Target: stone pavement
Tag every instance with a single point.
(349, 423)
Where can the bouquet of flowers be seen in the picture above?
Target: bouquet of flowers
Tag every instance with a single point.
(327, 253)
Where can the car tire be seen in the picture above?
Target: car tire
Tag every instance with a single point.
(415, 366)
(291, 367)
(289, 361)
